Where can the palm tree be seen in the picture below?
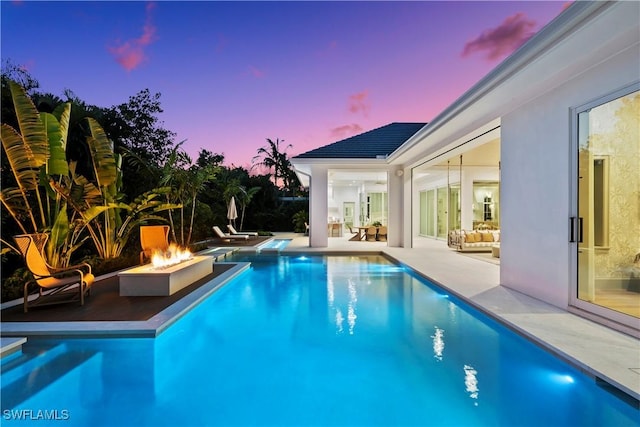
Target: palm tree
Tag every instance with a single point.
(197, 178)
(242, 195)
(270, 156)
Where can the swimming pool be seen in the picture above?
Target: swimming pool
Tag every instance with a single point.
(311, 340)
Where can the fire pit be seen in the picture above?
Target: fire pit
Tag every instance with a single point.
(148, 280)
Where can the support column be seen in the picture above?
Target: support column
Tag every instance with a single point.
(318, 207)
(395, 190)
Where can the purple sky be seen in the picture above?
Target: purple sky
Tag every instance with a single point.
(234, 73)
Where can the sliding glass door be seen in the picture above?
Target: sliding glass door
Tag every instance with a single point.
(606, 230)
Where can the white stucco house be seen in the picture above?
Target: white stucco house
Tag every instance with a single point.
(545, 148)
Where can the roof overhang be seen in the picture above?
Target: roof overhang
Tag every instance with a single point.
(303, 167)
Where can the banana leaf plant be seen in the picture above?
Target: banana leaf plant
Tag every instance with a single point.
(108, 220)
(50, 196)
(36, 155)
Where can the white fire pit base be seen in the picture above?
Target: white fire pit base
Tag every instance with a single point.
(148, 281)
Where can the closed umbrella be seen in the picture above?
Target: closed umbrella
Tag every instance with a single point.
(232, 212)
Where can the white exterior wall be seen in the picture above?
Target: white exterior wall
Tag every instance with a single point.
(536, 180)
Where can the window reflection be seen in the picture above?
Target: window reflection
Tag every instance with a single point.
(438, 343)
(471, 383)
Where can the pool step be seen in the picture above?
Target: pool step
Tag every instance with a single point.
(27, 380)
(10, 345)
(273, 246)
(218, 254)
(23, 364)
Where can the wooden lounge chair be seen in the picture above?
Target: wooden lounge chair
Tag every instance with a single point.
(233, 231)
(228, 237)
(153, 237)
(52, 282)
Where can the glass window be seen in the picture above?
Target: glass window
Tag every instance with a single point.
(454, 207)
(442, 212)
(486, 204)
(377, 208)
(609, 205)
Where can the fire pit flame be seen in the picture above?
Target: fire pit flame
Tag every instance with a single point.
(173, 255)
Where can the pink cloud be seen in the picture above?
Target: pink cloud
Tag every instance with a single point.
(130, 54)
(345, 131)
(359, 102)
(502, 40)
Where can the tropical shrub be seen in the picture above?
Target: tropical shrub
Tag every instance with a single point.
(299, 220)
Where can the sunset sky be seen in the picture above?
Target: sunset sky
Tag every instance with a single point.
(232, 74)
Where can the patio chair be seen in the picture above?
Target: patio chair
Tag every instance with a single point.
(228, 237)
(53, 283)
(371, 234)
(233, 231)
(382, 233)
(355, 234)
(153, 237)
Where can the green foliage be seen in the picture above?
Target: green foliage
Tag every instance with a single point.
(187, 182)
(136, 126)
(95, 174)
(13, 286)
(299, 219)
(36, 158)
(51, 196)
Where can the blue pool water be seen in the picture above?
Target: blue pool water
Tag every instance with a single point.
(311, 340)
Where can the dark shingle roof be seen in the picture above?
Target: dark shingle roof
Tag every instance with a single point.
(369, 145)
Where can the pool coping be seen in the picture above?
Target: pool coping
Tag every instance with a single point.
(150, 328)
(10, 345)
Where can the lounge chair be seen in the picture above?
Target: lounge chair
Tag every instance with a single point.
(228, 237)
(153, 237)
(371, 234)
(54, 280)
(233, 231)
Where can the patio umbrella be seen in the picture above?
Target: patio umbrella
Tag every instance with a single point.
(232, 212)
